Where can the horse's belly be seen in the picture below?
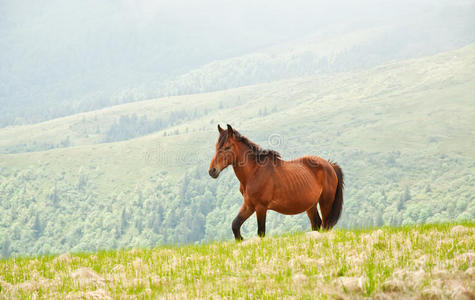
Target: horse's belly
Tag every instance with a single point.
(293, 205)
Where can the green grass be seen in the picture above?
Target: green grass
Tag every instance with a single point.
(435, 260)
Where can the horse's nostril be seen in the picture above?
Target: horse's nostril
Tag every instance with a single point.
(212, 172)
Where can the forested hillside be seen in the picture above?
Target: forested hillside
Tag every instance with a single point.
(136, 174)
(61, 58)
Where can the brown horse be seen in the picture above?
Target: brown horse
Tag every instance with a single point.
(268, 182)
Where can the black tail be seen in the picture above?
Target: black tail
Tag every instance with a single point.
(337, 206)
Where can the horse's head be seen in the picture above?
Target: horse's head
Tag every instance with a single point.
(225, 151)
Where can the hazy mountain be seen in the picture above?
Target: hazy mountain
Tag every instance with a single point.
(59, 58)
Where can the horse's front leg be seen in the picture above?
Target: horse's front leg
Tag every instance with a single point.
(244, 213)
(261, 213)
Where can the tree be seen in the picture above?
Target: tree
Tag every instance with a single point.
(407, 194)
(6, 248)
(123, 221)
(36, 226)
(379, 219)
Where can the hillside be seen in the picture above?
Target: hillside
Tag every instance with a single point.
(430, 261)
(450, 72)
(402, 133)
(62, 58)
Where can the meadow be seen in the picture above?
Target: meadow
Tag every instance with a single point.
(422, 262)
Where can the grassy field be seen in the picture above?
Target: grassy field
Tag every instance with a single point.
(425, 261)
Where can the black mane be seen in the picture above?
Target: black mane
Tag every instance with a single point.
(257, 152)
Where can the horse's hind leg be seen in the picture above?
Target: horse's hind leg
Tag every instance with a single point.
(244, 213)
(261, 221)
(314, 217)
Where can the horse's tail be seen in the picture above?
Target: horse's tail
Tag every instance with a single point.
(337, 205)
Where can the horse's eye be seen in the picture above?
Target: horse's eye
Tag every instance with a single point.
(227, 148)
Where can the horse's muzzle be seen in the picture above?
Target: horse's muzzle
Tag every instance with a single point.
(213, 173)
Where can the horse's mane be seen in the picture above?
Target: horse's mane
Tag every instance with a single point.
(257, 152)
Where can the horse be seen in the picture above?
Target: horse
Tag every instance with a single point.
(267, 182)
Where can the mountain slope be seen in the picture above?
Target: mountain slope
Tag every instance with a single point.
(401, 132)
(63, 58)
(450, 70)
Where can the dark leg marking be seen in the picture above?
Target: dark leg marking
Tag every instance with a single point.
(237, 222)
(244, 213)
(261, 221)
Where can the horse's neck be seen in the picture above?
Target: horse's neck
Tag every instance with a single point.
(245, 173)
(245, 168)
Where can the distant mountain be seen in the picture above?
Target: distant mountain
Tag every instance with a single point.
(62, 58)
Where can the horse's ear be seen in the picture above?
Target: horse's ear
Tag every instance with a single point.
(220, 129)
(230, 130)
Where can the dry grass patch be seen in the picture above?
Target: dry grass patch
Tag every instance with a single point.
(426, 262)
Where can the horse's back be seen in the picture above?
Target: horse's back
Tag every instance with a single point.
(312, 163)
